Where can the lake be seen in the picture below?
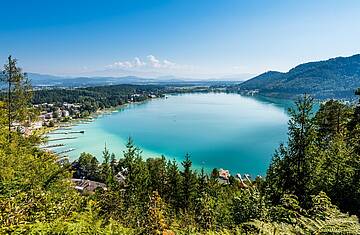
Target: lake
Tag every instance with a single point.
(218, 130)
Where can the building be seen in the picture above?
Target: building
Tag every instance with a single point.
(88, 186)
(224, 176)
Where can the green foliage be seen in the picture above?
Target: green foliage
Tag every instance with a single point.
(156, 223)
(77, 223)
(248, 204)
(292, 168)
(188, 184)
(17, 96)
(94, 98)
(333, 78)
(87, 167)
(205, 211)
(33, 187)
(321, 155)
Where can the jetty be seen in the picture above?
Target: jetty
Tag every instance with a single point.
(66, 151)
(66, 132)
(65, 138)
(52, 146)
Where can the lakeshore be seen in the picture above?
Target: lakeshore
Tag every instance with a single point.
(191, 123)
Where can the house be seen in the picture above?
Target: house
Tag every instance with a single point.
(88, 186)
(224, 176)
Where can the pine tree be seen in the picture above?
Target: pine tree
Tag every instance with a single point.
(157, 171)
(331, 119)
(203, 181)
(137, 180)
(18, 95)
(173, 184)
(296, 162)
(188, 185)
(107, 170)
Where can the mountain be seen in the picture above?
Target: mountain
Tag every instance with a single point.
(334, 78)
(43, 80)
(40, 80)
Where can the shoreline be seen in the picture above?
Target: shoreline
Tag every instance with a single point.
(94, 115)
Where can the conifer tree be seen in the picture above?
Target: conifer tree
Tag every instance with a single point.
(331, 119)
(295, 163)
(107, 170)
(203, 180)
(18, 95)
(157, 171)
(173, 186)
(188, 187)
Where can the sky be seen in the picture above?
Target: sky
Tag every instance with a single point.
(184, 38)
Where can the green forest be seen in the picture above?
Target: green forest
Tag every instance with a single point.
(334, 78)
(312, 185)
(100, 97)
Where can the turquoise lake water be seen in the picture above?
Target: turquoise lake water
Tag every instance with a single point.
(230, 131)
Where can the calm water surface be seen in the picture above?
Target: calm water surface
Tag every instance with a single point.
(218, 130)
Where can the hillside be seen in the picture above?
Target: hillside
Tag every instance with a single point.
(333, 78)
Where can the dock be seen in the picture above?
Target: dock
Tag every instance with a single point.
(53, 146)
(65, 138)
(66, 151)
(66, 132)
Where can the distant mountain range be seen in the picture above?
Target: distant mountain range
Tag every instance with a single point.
(43, 80)
(334, 78)
(39, 80)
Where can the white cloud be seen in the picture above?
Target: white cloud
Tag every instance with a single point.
(150, 62)
(153, 61)
(168, 63)
(138, 62)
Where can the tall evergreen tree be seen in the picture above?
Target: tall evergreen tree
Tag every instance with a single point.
(107, 171)
(18, 95)
(295, 162)
(331, 119)
(173, 184)
(157, 171)
(188, 186)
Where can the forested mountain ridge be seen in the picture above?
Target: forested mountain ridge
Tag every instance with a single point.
(333, 78)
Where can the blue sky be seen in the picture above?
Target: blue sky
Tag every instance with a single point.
(192, 38)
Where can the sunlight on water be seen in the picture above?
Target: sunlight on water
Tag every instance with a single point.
(218, 130)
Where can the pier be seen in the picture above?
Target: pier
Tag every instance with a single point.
(53, 146)
(66, 132)
(66, 151)
(65, 138)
